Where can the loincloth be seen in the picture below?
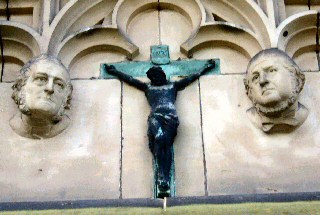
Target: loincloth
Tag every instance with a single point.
(162, 128)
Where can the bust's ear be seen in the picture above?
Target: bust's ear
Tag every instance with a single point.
(68, 96)
(17, 88)
(18, 83)
(300, 80)
(246, 85)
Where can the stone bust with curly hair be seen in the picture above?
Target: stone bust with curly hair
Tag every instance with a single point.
(42, 92)
(273, 83)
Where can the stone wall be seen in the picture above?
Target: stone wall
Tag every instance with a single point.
(104, 152)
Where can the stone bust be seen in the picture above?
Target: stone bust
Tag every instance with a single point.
(273, 83)
(42, 92)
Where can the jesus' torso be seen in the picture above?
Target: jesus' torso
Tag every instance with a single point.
(162, 98)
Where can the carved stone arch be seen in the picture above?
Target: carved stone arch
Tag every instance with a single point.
(231, 34)
(13, 63)
(294, 25)
(20, 43)
(102, 47)
(223, 40)
(245, 13)
(28, 12)
(64, 20)
(23, 34)
(297, 36)
(193, 9)
(123, 13)
(126, 10)
(57, 5)
(18, 50)
(100, 14)
(105, 39)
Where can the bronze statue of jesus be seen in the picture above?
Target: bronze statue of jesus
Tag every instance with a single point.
(163, 120)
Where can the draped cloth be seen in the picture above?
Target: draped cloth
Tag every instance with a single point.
(162, 129)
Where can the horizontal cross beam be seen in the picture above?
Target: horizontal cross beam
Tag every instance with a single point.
(174, 68)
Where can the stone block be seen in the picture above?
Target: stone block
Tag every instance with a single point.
(241, 159)
(137, 169)
(83, 162)
(231, 60)
(188, 148)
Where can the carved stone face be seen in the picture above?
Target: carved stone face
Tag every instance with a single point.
(42, 92)
(270, 82)
(46, 88)
(273, 84)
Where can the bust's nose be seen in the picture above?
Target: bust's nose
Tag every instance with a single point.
(49, 87)
(263, 80)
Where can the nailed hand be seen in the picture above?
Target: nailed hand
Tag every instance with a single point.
(110, 68)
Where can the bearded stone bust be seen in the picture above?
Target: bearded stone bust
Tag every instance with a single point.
(42, 92)
(273, 83)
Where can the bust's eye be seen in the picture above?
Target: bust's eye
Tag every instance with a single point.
(273, 70)
(255, 77)
(41, 79)
(61, 85)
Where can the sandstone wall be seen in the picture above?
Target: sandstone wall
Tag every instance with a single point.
(104, 152)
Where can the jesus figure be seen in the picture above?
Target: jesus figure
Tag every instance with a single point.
(163, 120)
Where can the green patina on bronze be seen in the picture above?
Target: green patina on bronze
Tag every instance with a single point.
(175, 68)
(156, 192)
(160, 56)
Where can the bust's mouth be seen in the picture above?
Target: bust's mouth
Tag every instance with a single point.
(46, 100)
(45, 97)
(266, 90)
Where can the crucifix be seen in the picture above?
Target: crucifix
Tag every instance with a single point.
(161, 94)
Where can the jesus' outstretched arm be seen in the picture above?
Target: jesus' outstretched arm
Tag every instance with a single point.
(180, 85)
(126, 78)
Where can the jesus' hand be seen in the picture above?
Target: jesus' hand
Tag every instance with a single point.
(110, 69)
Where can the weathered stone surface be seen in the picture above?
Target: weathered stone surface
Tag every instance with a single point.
(170, 20)
(88, 66)
(231, 61)
(244, 161)
(241, 158)
(137, 170)
(148, 21)
(12, 72)
(188, 144)
(307, 61)
(80, 163)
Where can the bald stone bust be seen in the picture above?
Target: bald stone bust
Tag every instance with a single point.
(273, 83)
(42, 92)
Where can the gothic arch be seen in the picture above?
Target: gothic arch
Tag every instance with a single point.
(297, 32)
(96, 36)
(244, 13)
(22, 34)
(126, 10)
(226, 34)
(20, 43)
(74, 16)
